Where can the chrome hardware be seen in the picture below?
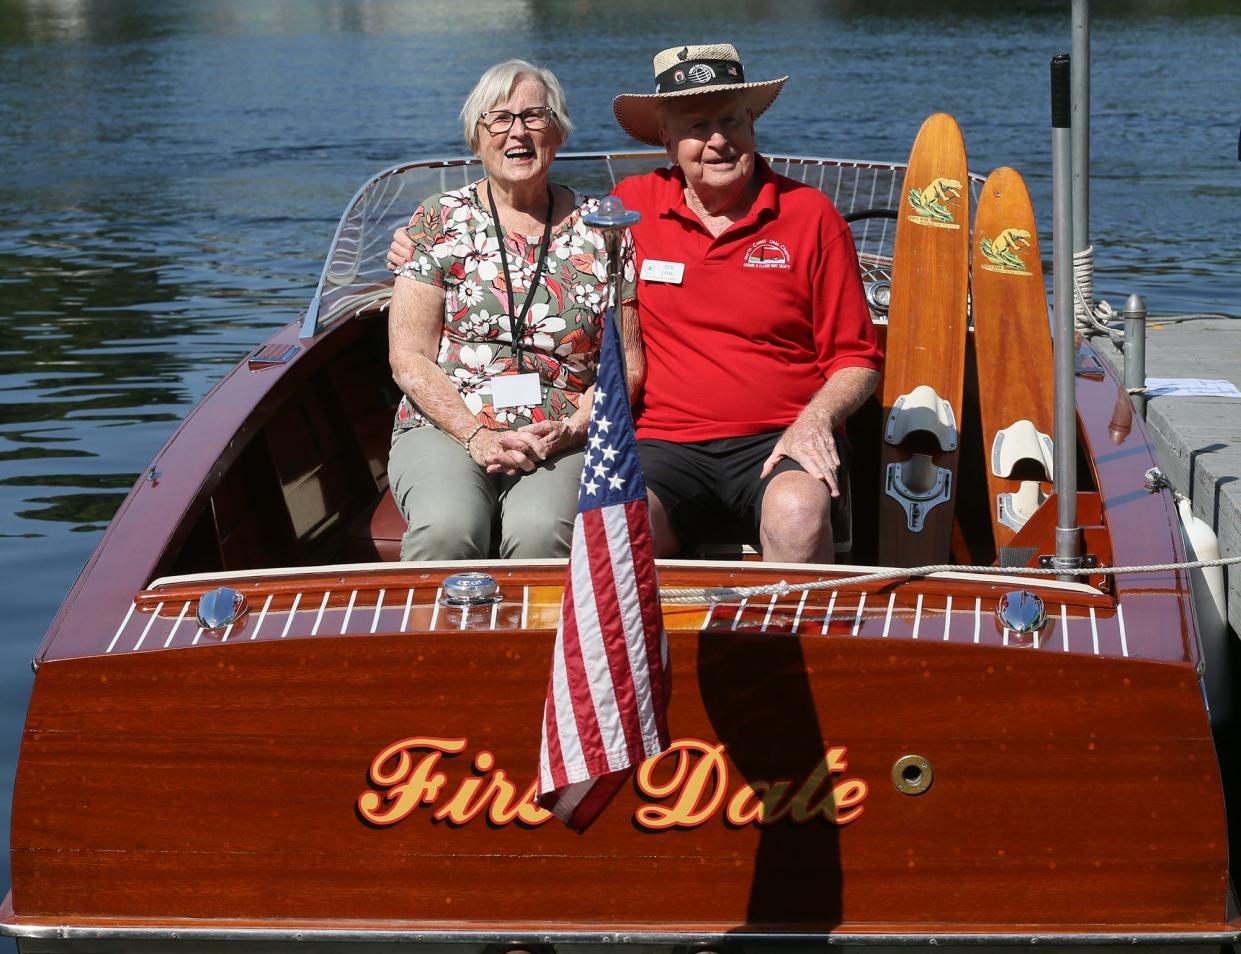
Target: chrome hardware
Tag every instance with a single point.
(273, 354)
(1020, 441)
(1013, 510)
(879, 296)
(611, 214)
(220, 608)
(1088, 366)
(912, 774)
(922, 410)
(1087, 562)
(1155, 481)
(918, 486)
(1021, 611)
(470, 589)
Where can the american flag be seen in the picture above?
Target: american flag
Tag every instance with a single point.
(607, 702)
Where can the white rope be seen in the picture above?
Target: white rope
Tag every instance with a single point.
(1083, 283)
(723, 594)
(1089, 315)
(1093, 317)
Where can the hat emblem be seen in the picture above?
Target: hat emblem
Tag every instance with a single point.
(678, 77)
(683, 53)
(701, 73)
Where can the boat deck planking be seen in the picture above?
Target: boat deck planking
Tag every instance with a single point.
(377, 600)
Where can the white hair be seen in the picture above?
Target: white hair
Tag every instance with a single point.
(497, 84)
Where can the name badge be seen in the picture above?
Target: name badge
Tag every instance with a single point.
(516, 390)
(670, 273)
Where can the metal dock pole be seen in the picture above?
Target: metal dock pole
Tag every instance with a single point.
(1135, 352)
(1068, 536)
(1081, 125)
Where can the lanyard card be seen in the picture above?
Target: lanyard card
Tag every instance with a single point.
(516, 390)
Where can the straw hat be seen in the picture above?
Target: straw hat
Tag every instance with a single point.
(691, 71)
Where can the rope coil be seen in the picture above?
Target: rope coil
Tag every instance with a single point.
(1092, 317)
(1088, 315)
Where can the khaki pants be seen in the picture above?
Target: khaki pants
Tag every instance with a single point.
(452, 505)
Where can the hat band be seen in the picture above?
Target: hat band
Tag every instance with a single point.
(695, 73)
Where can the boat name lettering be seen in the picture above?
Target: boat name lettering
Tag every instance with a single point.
(685, 786)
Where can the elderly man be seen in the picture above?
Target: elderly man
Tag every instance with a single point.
(757, 339)
(756, 336)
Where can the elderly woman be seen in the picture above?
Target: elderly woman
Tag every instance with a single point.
(494, 335)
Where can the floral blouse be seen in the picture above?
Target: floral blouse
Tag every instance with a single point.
(456, 249)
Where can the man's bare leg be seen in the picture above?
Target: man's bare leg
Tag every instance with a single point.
(663, 540)
(796, 522)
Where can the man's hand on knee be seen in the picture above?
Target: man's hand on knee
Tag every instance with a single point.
(810, 441)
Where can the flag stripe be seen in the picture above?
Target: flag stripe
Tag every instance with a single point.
(643, 731)
(551, 766)
(617, 708)
(656, 642)
(575, 709)
(590, 798)
(590, 682)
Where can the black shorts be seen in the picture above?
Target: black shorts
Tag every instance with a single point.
(708, 483)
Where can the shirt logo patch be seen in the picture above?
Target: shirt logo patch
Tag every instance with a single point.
(767, 253)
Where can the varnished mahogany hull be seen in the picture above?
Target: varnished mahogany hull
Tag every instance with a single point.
(223, 783)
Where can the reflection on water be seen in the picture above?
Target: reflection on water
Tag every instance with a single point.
(173, 172)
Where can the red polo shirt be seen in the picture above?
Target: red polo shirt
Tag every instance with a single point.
(764, 315)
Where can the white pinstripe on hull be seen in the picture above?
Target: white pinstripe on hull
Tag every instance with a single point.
(314, 630)
(120, 629)
(147, 628)
(857, 620)
(185, 608)
(288, 623)
(262, 616)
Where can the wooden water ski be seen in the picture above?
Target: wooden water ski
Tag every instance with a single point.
(1010, 323)
(925, 366)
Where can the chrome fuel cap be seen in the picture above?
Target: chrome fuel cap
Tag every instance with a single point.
(611, 214)
(470, 589)
(1021, 611)
(220, 608)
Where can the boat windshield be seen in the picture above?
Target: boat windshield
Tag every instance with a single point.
(355, 278)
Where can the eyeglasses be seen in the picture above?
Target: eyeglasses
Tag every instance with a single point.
(501, 120)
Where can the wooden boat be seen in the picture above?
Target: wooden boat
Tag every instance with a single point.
(351, 763)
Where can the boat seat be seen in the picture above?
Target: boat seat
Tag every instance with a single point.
(374, 535)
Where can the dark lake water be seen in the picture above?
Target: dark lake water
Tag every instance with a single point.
(172, 172)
